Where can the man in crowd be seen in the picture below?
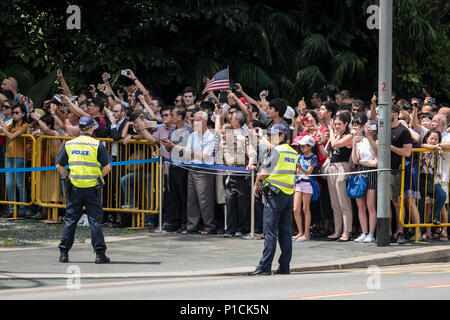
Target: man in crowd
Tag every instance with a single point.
(317, 99)
(178, 176)
(277, 109)
(118, 120)
(11, 84)
(189, 97)
(161, 134)
(200, 201)
(401, 146)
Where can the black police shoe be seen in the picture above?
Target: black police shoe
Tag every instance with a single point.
(260, 272)
(63, 255)
(100, 257)
(282, 272)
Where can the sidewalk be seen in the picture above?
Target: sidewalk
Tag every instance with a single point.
(164, 254)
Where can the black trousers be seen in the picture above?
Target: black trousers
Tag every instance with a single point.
(277, 227)
(237, 199)
(76, 199)
(177, 213)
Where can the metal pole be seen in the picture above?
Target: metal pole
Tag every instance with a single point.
(384, 122)
(252, 212)
(160, 187)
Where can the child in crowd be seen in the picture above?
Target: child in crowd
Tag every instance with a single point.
(308, 163)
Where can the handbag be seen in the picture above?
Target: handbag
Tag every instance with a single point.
(356, 185)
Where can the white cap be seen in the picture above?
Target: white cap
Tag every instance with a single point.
(307, 140)
(290, 113)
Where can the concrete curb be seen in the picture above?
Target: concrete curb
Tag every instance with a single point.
(420, 255)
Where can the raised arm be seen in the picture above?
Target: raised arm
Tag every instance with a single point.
(136, 81)
(246, 96)
(73, 108)
(63, 82)
(59, 122)
(373, 109)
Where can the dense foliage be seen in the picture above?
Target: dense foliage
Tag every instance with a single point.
(290, 48)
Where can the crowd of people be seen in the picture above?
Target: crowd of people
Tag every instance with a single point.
(211, 143)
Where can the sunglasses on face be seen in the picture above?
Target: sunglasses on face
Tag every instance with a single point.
(16, 113)
(166, 115)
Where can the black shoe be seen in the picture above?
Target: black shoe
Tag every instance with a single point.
(401, 238)
(100, 257)
(260, 272)
(63, 255)
(228, 234)
(282, 272)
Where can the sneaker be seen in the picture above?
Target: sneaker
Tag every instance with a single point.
(228, 234)
(401, 238)
(369, 239)
(238, 234)
(361, 238)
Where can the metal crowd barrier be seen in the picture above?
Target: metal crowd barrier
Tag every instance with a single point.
(132, 188)
(417, 189)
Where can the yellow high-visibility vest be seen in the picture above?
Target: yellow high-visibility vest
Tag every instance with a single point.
(283, 174)
(83, 164)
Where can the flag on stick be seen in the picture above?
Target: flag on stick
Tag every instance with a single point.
(220, 81)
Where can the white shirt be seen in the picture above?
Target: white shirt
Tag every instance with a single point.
(445, 165)
(204, 144)
(365, 150)
(114, 144)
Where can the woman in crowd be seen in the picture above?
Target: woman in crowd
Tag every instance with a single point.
(15, 157)
(430, 175)
(49, 180)
(364, 155)
(339, 149)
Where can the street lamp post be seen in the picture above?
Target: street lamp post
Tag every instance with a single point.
(384, 122)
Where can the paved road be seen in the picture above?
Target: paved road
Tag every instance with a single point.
(406, 282)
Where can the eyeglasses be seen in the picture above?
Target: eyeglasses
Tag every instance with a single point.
(165, 115)
(176, 101)
(15, 113)
(5, 106)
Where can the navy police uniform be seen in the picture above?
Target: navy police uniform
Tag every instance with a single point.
(85, 157)
(278, 189)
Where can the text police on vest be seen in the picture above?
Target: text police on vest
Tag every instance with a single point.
(80, 152)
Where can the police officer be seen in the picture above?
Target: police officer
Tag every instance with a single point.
(89, 162)
(276, 182)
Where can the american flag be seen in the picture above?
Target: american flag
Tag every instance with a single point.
(220, 81)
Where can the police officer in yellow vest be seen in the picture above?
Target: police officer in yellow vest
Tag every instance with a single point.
(276, 182)
(89, 162)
